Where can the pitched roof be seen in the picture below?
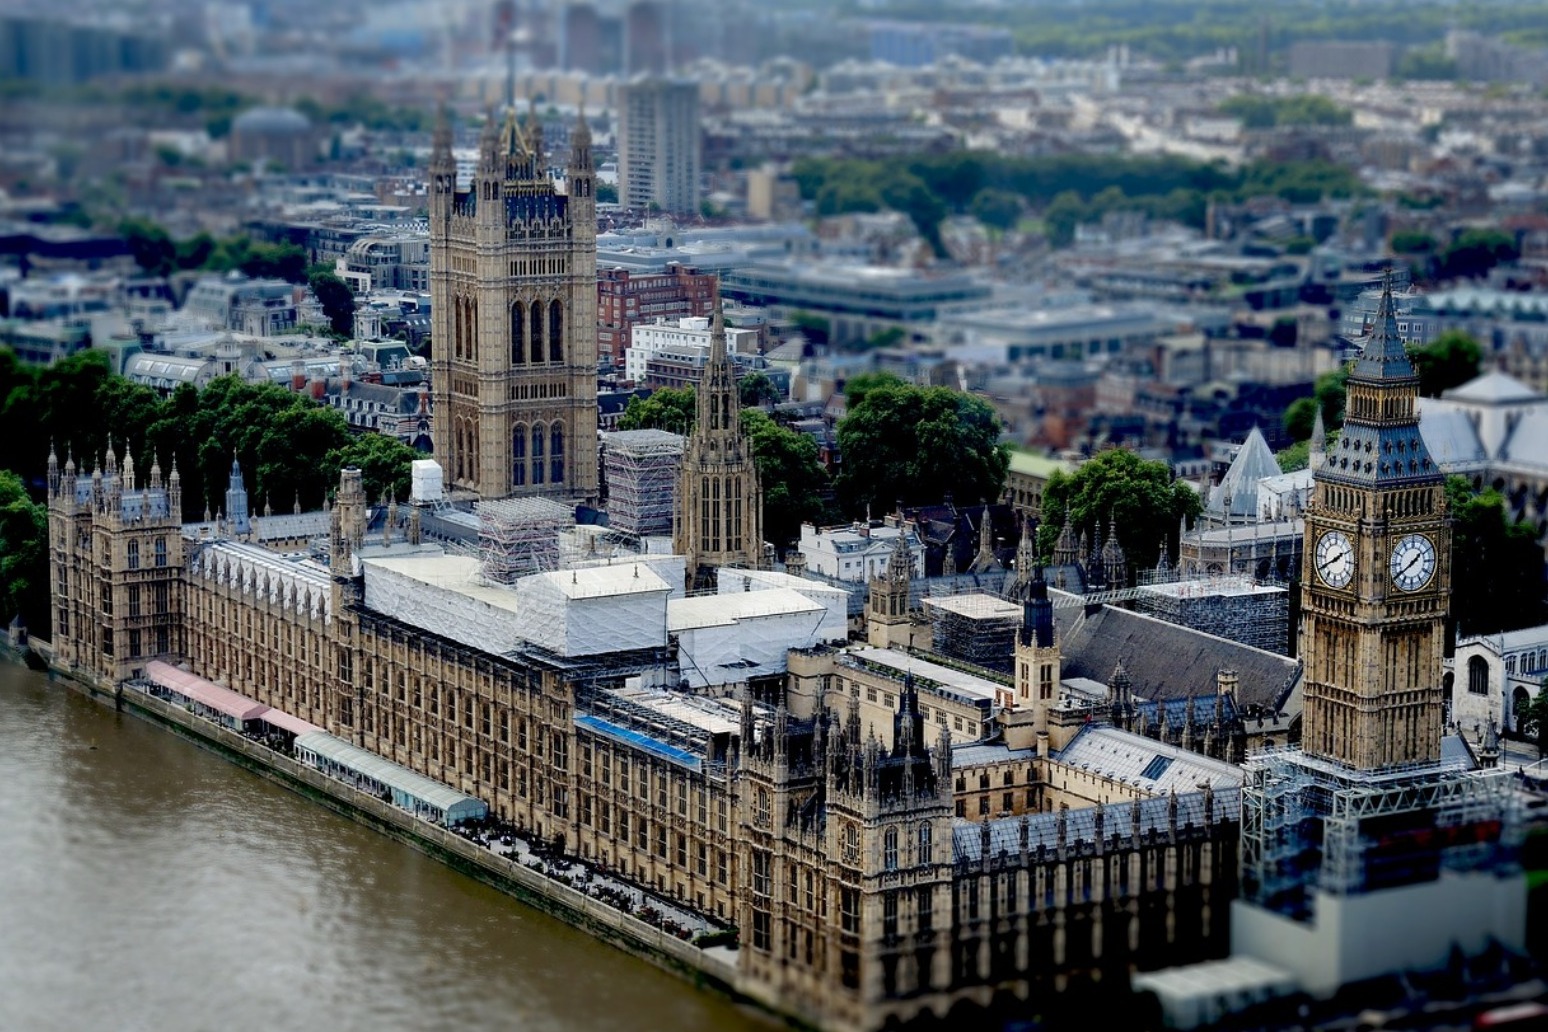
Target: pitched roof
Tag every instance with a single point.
(1384, 356)
(1493, 388)
(1528, 442)
(1168, 661)
(1254, 461)
(1450, 436)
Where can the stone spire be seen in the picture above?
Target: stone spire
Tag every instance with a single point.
(1026, 555)
(236, 500)
(1115, 564)
(1067, 548)
(1319, 440)
(720, 514)
(1037, 623)
(128, 474)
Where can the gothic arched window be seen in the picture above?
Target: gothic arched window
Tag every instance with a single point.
(472, 347)
(134, 555)
(536, 330)
(1478, 676)
(518, 334)
(537, 453)
(924, 843)
(556, 331)
(890, 850)
(556, 455)
(161, 551)
(519, 455)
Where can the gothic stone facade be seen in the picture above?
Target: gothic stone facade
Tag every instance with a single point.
(860, 897)
(513, 273)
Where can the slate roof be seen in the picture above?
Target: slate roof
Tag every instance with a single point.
(1450, 436)
(1168, 661)
(1254, 462)
(1528, 442)
(1493, 388)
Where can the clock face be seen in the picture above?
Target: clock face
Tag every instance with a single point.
(1335, 559)
(1413, 562)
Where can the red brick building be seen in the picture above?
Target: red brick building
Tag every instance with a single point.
(625, 299)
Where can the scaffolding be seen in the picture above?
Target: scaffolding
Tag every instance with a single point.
(641, 467)
(978, 628)
(1311, 824)
(518, 536)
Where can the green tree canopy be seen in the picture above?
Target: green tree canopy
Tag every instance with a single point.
(24, 588)
(1496, 565)
(671, 408)
(1474, 252)
(1261, 112)
(1413, 241)
(1533, 724)
(1448, 361)
(1328, 392)
(793, 480)
(916, 445)
(1139, 496)
(757, 389)
(337, 300)
(289, 446)
(997, 208)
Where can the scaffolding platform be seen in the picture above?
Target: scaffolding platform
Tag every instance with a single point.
(518, 536)
(641, 469)
(1312, 824)
(977, 628)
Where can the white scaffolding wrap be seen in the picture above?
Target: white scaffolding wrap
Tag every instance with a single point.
(723, 639)
(445, 595)
(641, 469)
(520, 535)
(835, 622)
(598, 609)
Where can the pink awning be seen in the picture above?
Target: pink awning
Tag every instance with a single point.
(222, 700)
(285, 722)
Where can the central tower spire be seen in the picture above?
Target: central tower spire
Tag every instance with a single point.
(720, 519)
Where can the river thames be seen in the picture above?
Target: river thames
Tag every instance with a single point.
(146, 884)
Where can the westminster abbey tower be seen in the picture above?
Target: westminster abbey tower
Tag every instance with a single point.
(513, 320)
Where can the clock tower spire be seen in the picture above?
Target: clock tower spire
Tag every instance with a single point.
(1379, 577)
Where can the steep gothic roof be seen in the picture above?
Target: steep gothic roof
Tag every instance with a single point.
(1169, 661)
(1239, 486)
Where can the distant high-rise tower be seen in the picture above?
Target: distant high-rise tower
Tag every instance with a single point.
(513, 282)
(659, 145)
(646, 38)
(720, 504)
(1378, 552)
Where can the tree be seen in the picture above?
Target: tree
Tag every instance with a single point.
(1474, 252)
(1448, 361)
(916, 445)
(793, 480)
(756, 389)
(1412, 241)
(607, 193)
(856, 387)
(384, 464)
(1328, 391)
(997, 208)
(1496, 563)
(1139, 496)
(150, 246)
(337, 300)
(24, 587)
(671, 408)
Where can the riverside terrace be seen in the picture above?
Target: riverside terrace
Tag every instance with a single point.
(287, 736)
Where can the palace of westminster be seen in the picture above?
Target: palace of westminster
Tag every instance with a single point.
(889, 832)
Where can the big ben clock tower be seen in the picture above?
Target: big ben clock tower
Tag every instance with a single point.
(1378, 574)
